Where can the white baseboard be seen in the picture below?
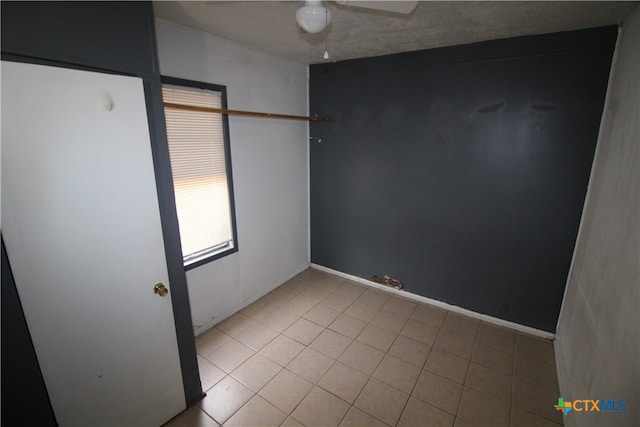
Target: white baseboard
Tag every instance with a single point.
(456, 309)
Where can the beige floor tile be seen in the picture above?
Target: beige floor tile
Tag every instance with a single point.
(291, 422)
(397, 373)
(303, 331)
(235, 324)
(315, 293)
(489, 381)
(282, 350)
(311, 274)
(210, 341)
(538, 373)
(522, 418)
(279, 295)
(535, 400)
(390, 321)
(419, 331)
(358, 418)
(310, 365)
(306, 289)
(462, 423)
(309, 282)
(258, 309)
(192, 417)
(461, 325)
(210, 374)
(478, 408)
(430, 315)
(321, 315)
(292, 285)
(376, 337)
(382, 401)
(374, 297)
(257, 336)
(225, 398)
(447, 365)
(493, 358)
(348, 326)
(410, 350)
(344, 381)
(453, 343)
(496, 336)
(438, 391)
(400, 306)
(362, 357)
(534, 348)
(419, 413)
(257, 412)
(338, 302)
(286, 390)
(256, 372)
(279, 319)
(299, 305)
(350, 288)
(320, 408)
(331, 343)
(329, 282)
(362, 311)
(230, 356)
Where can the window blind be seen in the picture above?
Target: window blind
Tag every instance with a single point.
(196, 150)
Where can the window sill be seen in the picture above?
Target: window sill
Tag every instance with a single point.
(208, 257)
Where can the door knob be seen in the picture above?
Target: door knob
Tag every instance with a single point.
(161, 290)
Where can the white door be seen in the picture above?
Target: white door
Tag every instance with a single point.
(82, 231)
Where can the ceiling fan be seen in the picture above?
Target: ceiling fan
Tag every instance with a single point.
(313, 17)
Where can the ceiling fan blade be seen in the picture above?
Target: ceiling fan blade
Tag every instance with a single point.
(404, 7)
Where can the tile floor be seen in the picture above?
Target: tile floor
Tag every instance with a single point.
(324, 351)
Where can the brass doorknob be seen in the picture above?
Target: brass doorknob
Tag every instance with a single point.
(161, 290)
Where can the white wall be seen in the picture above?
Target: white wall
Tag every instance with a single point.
(269, 161)
(598, 334)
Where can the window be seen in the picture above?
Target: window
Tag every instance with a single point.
(201, 168)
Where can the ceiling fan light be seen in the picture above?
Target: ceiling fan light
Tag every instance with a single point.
(313, 17)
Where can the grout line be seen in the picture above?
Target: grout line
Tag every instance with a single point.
(419, 298)
(420, 372)
(303, 397)
(513, 376)
(466, 377)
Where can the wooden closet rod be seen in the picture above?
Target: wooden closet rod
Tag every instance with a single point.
(245, 113)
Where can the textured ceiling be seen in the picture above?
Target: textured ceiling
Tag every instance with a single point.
(356, 32)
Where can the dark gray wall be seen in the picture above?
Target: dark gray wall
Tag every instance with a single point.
(460, 171)
(116, 37)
